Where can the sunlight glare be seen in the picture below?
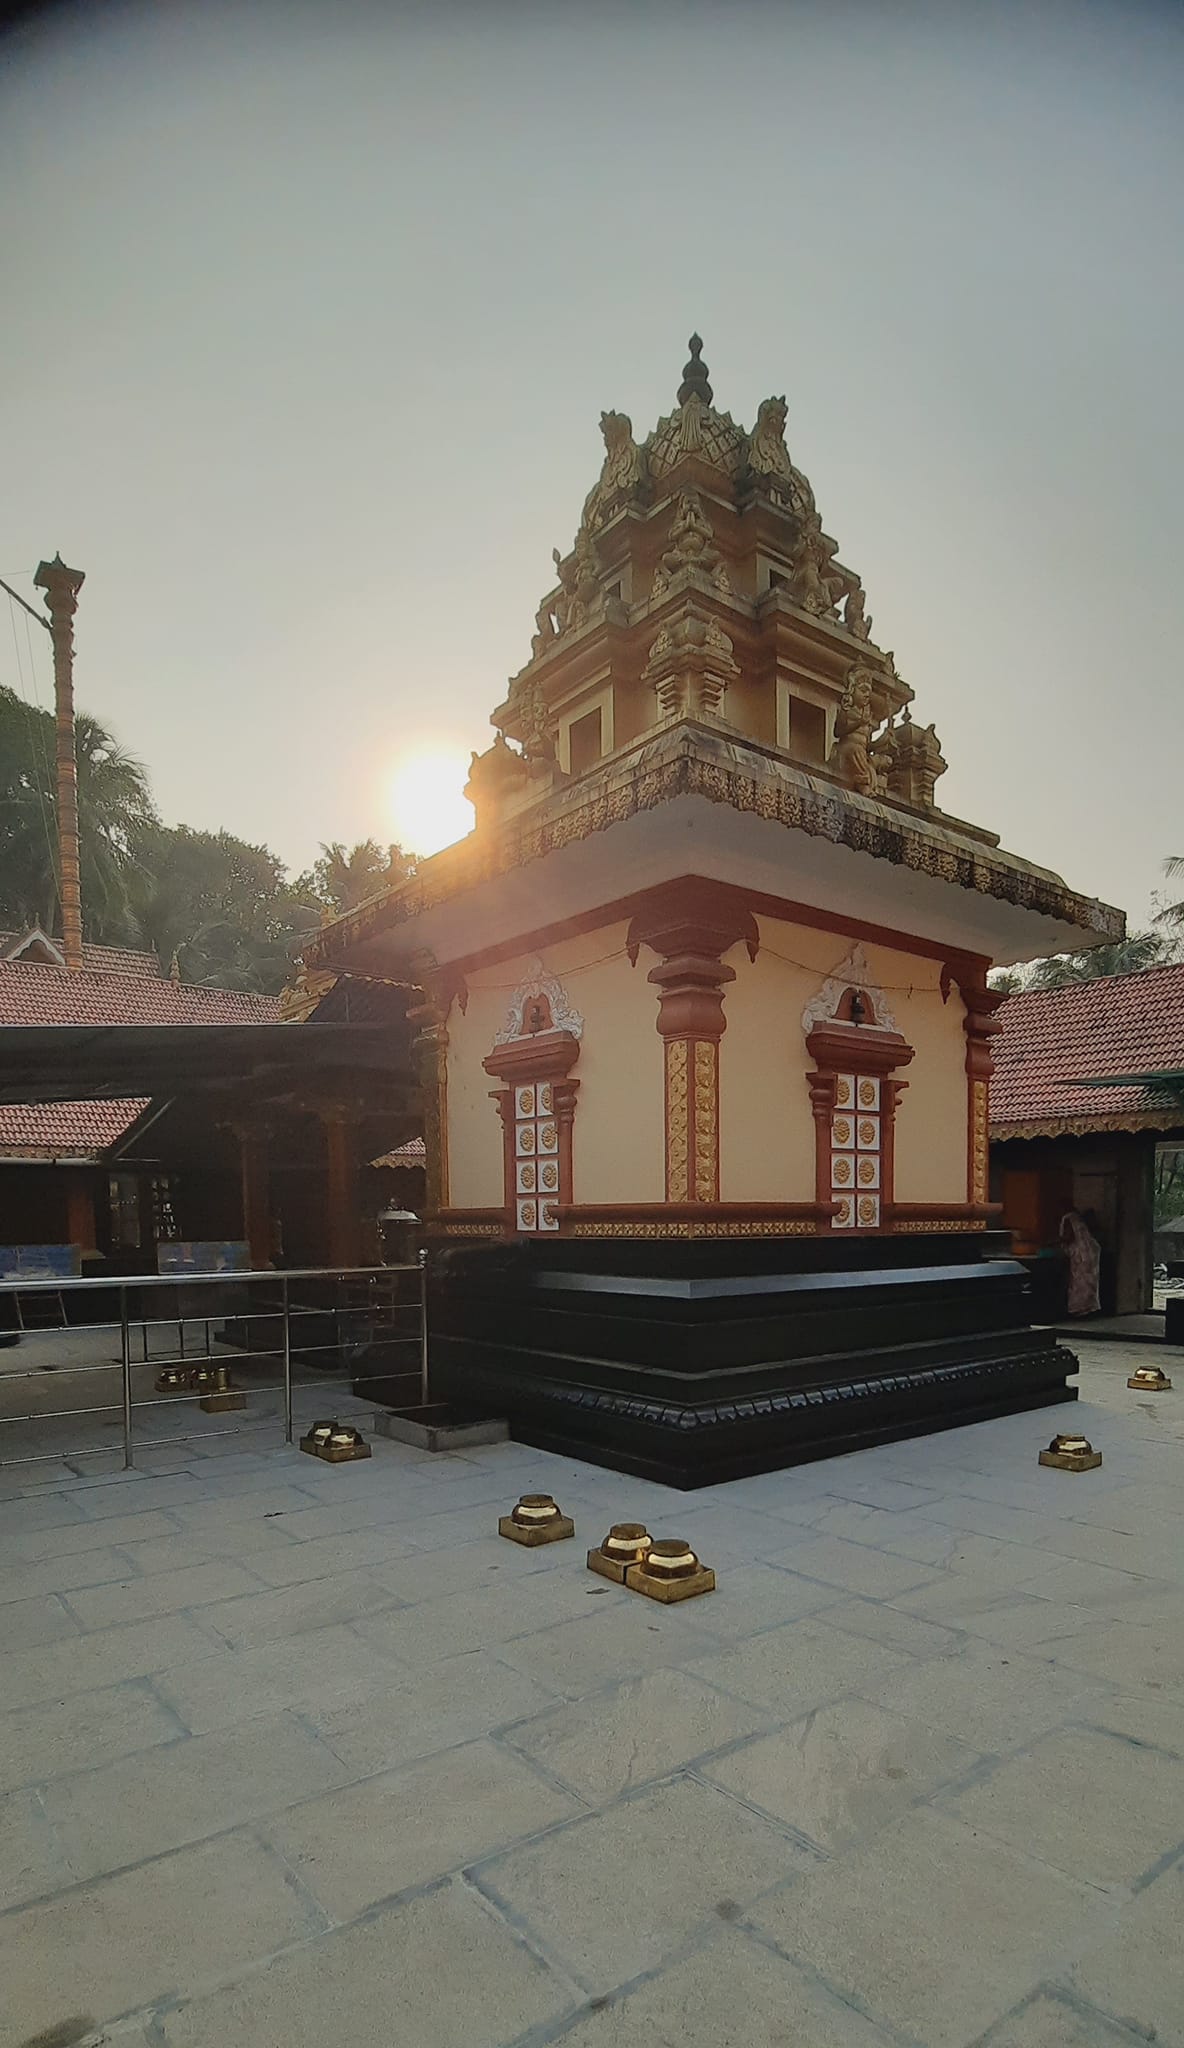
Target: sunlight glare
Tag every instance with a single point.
(428, 809)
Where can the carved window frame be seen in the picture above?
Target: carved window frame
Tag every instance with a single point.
(854, 1094)
(536, 1103)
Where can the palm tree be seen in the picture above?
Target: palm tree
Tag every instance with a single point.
(1125, 956)
(339, 881)
(114, 809)
(1173, 913)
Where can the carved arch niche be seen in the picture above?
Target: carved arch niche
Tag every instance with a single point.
(857, 1051)
(532, 1057)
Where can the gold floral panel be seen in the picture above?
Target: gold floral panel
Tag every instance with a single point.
(856, 1155)
(536, 1157)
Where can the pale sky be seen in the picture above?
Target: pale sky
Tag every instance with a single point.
(308, 315)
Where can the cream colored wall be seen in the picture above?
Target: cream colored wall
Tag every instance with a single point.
(766, 1123)
(618, 1134)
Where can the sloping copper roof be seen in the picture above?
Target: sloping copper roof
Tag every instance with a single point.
(1054, 1041)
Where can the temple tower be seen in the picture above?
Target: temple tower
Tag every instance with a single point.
(705, 998)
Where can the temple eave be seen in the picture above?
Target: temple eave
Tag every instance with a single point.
(697, 800)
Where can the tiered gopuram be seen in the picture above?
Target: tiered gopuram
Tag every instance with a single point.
(705, 1031)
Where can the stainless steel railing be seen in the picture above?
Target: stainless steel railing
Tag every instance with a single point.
(378, 1319)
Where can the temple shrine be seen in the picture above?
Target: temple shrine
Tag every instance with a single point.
(704, 1030)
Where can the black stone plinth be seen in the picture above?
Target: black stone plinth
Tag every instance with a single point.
(694, 1362)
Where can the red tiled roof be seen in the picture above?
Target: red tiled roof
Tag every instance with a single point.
(32, 993)
(1054, 1039)
(102, 959)
(413, 1153)
(55, 1130)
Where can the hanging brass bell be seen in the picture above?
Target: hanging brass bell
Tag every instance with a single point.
(536, 1519)
(670, 1571)
(626, 1543)
(1070, 1453)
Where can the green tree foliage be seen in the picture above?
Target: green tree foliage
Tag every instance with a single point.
(1169, 1184)
(339, 881)
(114, 810)
(1125, 956)
(1173, 913)
(219, 908)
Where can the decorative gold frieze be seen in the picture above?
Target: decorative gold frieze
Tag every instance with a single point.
(941, 1224)
(710, 1226)
(705, 1130)
(677, 1117)
(979, 1115)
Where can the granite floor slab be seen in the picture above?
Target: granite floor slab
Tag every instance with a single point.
(295, 1755)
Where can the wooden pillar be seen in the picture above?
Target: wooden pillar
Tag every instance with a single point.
(429, 1053)
(1135, 1221)
(80, 1209)
(690, 925)
(345, 1235)
(256, 1194)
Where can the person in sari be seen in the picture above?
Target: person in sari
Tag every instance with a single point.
(1084, 1256)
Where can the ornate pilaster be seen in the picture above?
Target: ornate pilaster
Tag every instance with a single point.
(981, 1025)
(690, 926)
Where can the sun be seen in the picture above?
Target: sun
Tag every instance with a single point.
(428, 807)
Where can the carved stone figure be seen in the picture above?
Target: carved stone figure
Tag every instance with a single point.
(811, 586)
(529, 705)
(584, 582)
(692, 546)
(769, 458)
(621, 471)
(855, 616)
(767, 452)
(545, 632)
(855, 722)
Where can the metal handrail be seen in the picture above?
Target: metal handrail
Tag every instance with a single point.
(124, 1284)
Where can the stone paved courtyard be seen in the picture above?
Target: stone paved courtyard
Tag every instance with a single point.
(302, 1757)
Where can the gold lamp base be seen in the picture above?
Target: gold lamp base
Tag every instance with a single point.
(1150, 1379)
(670, 1571)
(627, 1543)
(1071, 1454)
(535, 1520)
(335, 1442)
(175, 1379)
(220, 1396)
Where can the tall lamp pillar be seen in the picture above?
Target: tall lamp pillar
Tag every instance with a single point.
(61, 586)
